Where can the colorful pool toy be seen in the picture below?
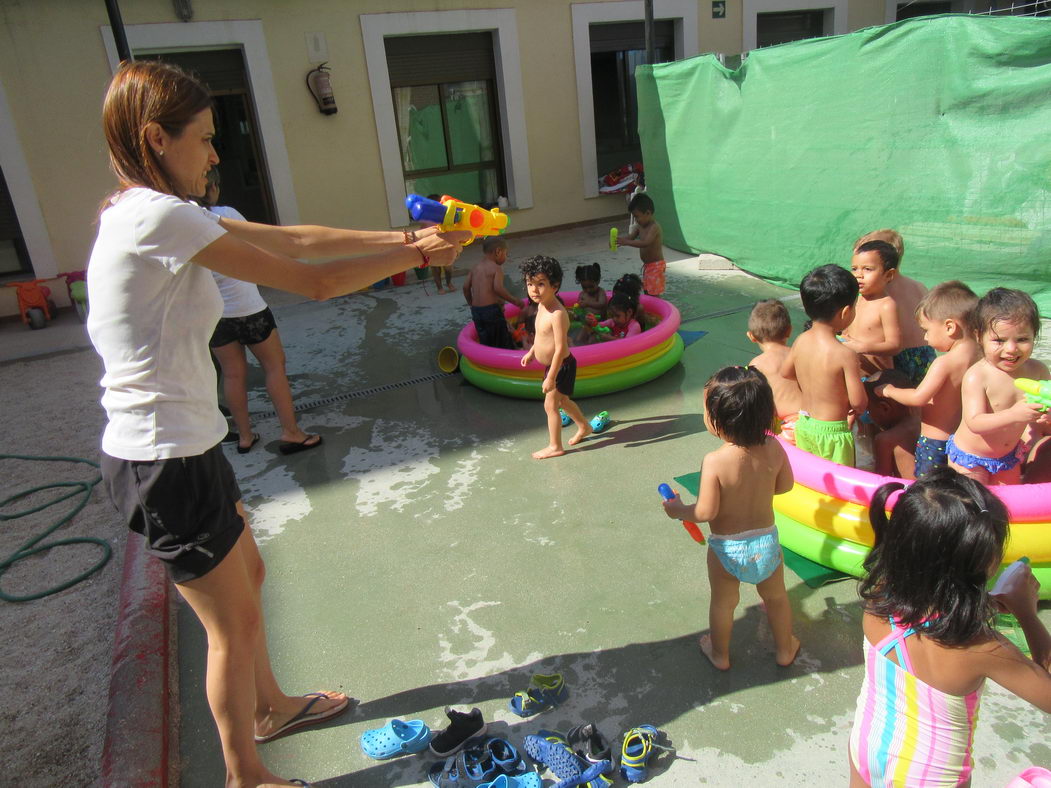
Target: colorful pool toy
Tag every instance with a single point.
(601, 368)
(825, 516)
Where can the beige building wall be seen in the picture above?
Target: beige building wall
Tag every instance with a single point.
(55, 65)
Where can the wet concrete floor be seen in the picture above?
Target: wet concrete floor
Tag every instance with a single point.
(421, 559)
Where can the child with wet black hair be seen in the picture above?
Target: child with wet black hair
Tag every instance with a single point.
(738, 483)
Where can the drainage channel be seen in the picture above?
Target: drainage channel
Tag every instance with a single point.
(348, 395)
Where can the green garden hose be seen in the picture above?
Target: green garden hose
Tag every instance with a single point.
(33, 546)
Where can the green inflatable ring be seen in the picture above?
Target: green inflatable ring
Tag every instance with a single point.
(847, 557)
(585, 387)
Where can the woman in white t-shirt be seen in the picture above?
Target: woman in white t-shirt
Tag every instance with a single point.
(154, 305)
(248, 322)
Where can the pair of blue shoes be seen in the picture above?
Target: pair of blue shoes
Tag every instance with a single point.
(483, 763)
(553, 751)
(545, 691)
(396, 738)
(598, 424)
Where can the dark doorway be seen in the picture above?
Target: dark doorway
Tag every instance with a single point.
(14, 259)
(616, 48)
(245, 182)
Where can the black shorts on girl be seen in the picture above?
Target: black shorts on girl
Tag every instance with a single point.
(185, 507)
(566, 378)
(249, 330)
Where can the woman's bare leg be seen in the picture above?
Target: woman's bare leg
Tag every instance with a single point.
(226, 605)
(271, 355)
(273, 708)
(234, 363)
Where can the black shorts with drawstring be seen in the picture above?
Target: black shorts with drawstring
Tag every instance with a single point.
(185, 507)
(248, 330)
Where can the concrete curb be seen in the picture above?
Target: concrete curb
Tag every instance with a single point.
(142, 717)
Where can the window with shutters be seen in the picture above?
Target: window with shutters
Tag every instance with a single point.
(444, 92)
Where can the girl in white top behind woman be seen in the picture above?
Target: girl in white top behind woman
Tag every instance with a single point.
(154, 306)
(248, 322)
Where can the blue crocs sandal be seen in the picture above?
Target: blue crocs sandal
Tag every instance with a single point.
(395, 738)
(566, 421)
(545, 691)
(638, 747)
(600, 422)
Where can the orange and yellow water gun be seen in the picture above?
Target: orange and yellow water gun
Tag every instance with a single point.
(452, 214)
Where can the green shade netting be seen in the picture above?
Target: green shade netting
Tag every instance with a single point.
(939, 127)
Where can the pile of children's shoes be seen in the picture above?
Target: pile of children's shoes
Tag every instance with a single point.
(471, 759)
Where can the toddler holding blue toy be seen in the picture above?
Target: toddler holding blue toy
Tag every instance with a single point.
(738, 483)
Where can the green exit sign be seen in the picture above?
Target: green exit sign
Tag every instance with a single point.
(718, 9)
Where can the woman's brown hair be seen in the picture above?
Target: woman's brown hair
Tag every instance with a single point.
(144, 92)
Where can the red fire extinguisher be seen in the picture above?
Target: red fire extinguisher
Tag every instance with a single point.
(321, 89)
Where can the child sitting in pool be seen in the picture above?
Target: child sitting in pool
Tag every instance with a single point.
(992, 440)
(828, 372)
(592, 296)
(927, 640)
(738, 483)
(769, 326)
(622, 322)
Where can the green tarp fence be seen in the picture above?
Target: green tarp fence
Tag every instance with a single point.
(939, 127)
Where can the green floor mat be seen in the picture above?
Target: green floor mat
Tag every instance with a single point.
(813, 574)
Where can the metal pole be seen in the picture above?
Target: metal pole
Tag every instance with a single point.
(119, 37)
(650, 42)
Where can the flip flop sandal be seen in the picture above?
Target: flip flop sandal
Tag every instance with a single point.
(395, 738)
(294, 447)
(545, 692)
(305, 717)
(566, 421)
(245, 449)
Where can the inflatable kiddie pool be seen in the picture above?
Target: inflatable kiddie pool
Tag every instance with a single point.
(825, 516)
(601, 368)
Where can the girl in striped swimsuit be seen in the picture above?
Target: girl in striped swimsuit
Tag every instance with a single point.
(929, 646)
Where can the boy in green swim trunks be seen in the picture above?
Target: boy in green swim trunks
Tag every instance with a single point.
(827, 371)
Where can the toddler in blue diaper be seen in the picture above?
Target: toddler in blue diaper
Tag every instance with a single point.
(738, 483)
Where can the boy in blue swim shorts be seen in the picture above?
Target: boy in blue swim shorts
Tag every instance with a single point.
(738, 483)
(945, 314)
